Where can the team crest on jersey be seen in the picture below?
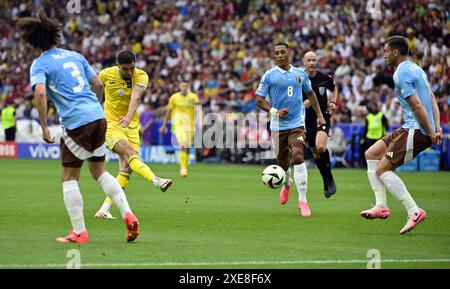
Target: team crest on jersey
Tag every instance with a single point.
(120, 92)
(321, 90)
(260, 86)
(298, 79)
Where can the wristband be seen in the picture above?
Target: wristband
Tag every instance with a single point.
(273, 111)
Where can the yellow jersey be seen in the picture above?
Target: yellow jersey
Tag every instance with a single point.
(118, 93)
(183, 110)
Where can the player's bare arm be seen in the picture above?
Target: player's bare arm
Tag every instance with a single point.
(163, 129)
(436, 114)
(97, 87)
(332, 102)
(136, 94)
(40, 98)
(306, 103)
(264, 105)
(422, 116)
(315, 105)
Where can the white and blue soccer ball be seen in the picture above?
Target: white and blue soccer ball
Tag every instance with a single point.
(273, 176)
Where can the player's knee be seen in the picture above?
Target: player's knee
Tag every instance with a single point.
(321, 148)
(297, 158)
(370, 155)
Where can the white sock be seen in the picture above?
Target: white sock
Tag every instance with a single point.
(105, 207)
(301, 181)
(377, 186)
(156, 181)
(112, 188)
(74, 205)
(398, 189)
(288, 178)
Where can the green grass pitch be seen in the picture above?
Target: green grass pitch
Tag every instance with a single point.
(221, 216)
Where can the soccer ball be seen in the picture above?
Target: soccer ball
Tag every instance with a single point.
(273, 176)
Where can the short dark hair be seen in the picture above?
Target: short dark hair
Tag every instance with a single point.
(126, 57)
(282, 43)
(400, 43)
(40, 32)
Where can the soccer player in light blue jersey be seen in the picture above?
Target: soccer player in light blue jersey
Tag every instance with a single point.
(283, 85)
(64, 76)
(420, 130)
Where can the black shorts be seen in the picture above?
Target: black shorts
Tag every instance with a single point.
(84, 143)
(10, 134)
(312, 129)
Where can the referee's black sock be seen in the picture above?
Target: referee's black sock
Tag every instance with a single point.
(325, 167)
(321, 166)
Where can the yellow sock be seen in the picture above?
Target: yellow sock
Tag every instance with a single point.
(139, 167)
(122, 177)
(184, 159)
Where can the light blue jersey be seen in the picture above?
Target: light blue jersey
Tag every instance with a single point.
(66, 76)
(284, 89)
(410, 79)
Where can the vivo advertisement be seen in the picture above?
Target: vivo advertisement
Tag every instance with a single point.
(149, 154)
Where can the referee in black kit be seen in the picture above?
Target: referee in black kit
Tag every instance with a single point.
(317, 136)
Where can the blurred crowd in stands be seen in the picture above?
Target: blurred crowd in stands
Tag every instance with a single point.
(223, 47)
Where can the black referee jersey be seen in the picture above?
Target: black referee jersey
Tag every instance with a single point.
(320, 83)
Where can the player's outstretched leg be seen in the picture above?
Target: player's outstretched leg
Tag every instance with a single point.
(142, 169)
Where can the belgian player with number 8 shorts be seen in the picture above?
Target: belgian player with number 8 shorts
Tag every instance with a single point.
(282, 86)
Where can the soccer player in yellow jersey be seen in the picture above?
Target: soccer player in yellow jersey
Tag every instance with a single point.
(124, 86)
(181, 107)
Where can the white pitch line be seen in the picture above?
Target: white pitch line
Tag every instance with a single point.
(235, 263)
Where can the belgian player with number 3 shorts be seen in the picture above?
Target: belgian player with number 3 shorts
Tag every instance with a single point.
(65, 77)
